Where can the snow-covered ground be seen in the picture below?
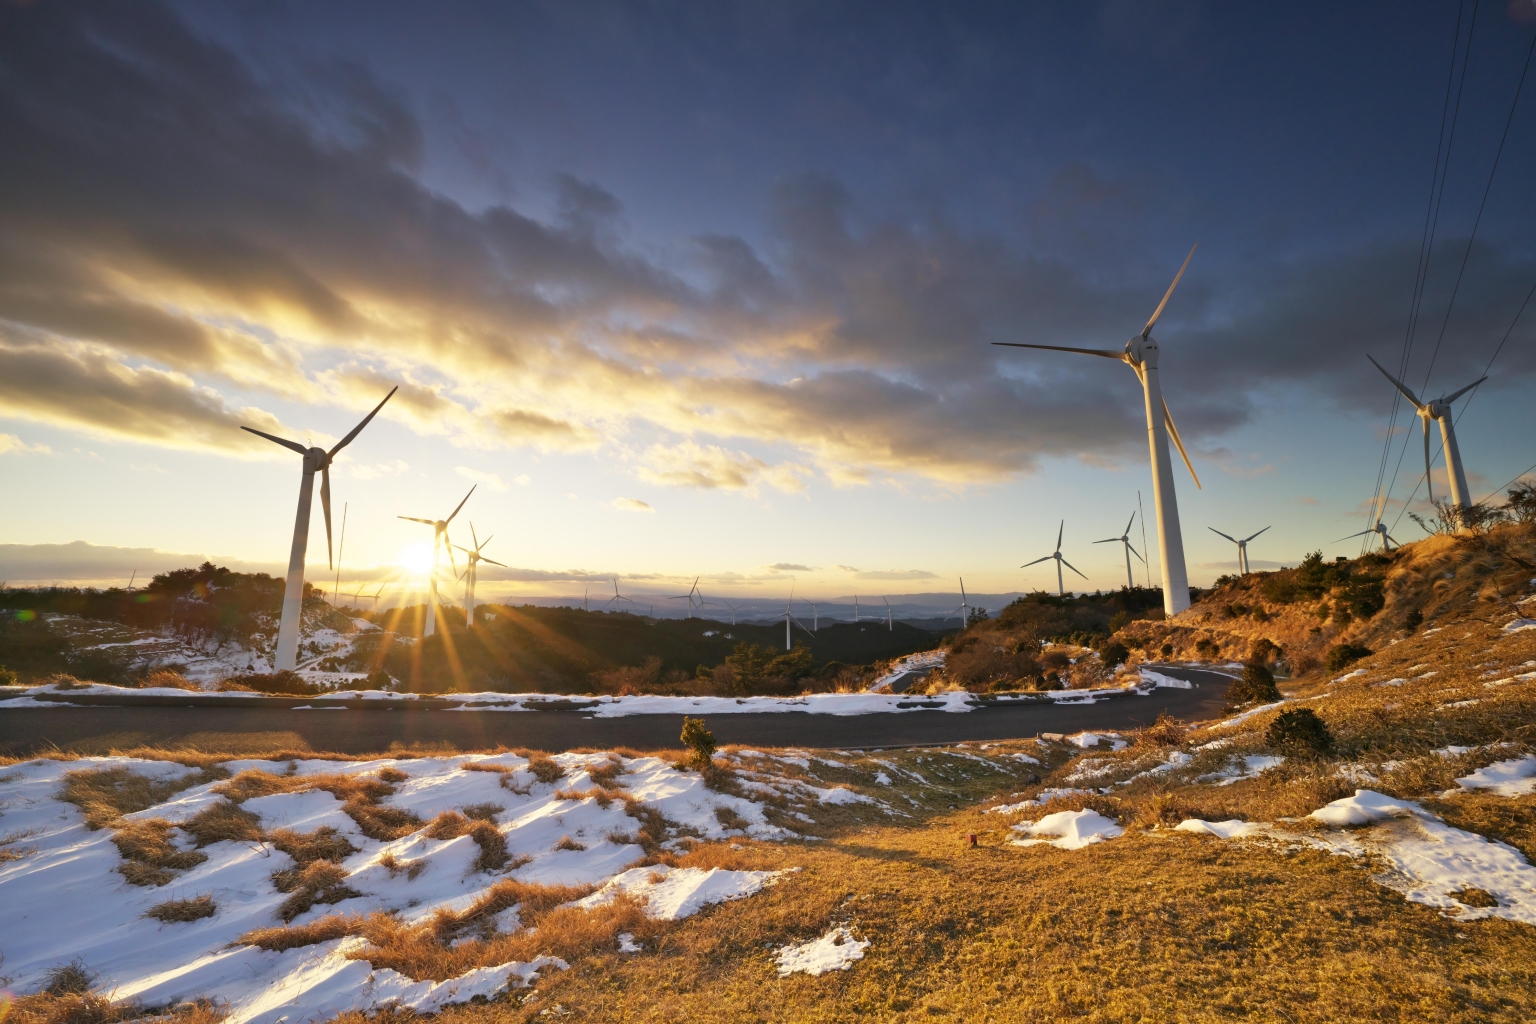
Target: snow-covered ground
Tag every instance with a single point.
(1464, 874)
(834, 951)
(65, 897)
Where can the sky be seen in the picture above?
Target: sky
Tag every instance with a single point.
(710, 289)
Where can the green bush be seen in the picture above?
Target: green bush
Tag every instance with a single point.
(1279, 588)
(1299, 732)
(1257, 686)
(7, 676)
(700, 742)
(1345, 654)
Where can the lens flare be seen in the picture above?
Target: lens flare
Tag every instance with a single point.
(416, 559)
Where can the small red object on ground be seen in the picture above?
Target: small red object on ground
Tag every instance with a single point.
(972, 837)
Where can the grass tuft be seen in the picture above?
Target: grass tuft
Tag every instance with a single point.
(178, 911)
(318, 882)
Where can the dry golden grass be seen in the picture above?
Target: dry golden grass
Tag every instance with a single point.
(323, 929)
(317, 882)
(174, 911)
(149, 856)
(106, 794)
(223, 822)
(493, 846)
(324, 843)
(360, 795)
(94, 1008)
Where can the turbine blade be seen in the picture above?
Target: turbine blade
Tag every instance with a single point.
(962, 590)
(1397, 384)
(1448, 399)
(1059, 531)
(1069, 565)
(1173, 431)
(1393, 539)
(461, 504)
(1128, 523)
(1134, 551)
(449, 544)
(1352, 536)
(1429, 486)
(1026, 565)
(1220, 534)
(472, 537)
(325, 505)
(1169, 293)
(278, 440)
(413, 519)
(1107, 353)
(1110, 540)
(1247, 539)
(359, 428)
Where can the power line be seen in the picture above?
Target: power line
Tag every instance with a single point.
(1426, 246)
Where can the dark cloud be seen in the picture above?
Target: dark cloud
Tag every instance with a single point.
(162, 201)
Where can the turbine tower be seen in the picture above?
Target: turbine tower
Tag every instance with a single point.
(693, 593)
(1242, 548)
(890, 626)
(316, 460)
(439, 539)
(1125, 538)
(1141, 355)
(473, 558)
(617, 597)
(1061, 590)
(815, 615)
(1439, 409)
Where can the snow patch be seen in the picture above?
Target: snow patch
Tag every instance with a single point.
(1072, 830)
(1516, 777)
(834, 951)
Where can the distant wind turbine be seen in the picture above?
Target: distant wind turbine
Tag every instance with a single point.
(855, 607)
(1242, 548)
(1141, 355)
(815, 615)
(693, 593)
(1125, 538)
(617, 597)
(1061, 590)
(1387, 540)
(889, 625)
(439, 539)
(472, 572)
(964, 609)
(1439, 409)
(789, 617)
(316, 460)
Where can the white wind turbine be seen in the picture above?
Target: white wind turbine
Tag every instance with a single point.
(316, 460)
(1061, 590)
(964, 609)
(617, 597)
(439, 539)
(1125, 538)
(1242, 548)
(472, 572)
(375, 597)
(815, 615)
(855, 607)
(1387, 540)
(733, 610)
(789, 617)
(889, 624)
(1141, 355)
(692, 595)
(1439, 409)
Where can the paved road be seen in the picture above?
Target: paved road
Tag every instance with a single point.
(29, 730)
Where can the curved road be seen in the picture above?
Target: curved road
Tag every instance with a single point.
(97, 727)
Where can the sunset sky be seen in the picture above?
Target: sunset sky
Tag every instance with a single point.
(710, 288)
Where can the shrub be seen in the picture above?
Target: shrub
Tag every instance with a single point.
(545, 768)
(1257, 686)
(182, 911)
(71, 979)
(1263, 650)
(7, 676)
(700, 741)
(1299, 732)
(1345, 654)
(1165, 732)
(1114, 653)
(1279, 588)
(1521, 506)
(284, 683)
(1414, 620)
(1167, 650)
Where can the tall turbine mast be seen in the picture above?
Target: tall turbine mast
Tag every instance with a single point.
(439, 540)
(1141, 355)
(473, 558)
(1439, 409)
(1125, 539)
(316, 460)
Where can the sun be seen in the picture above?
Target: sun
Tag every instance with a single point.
(415, 559)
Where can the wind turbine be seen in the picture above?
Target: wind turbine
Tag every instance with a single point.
(473, 558)
(964, 609)
(732, 608)
(376, 594)
(316, 460)
(1061, 590)
(815, 615)
(1242, 548)
(1439, 409)
(439, 537)
(1141, 355)
(617, 597)
(855, 607)
(1387, 540)
(689, 597)
(1125, 538)
(889, 625)
(789, 616)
